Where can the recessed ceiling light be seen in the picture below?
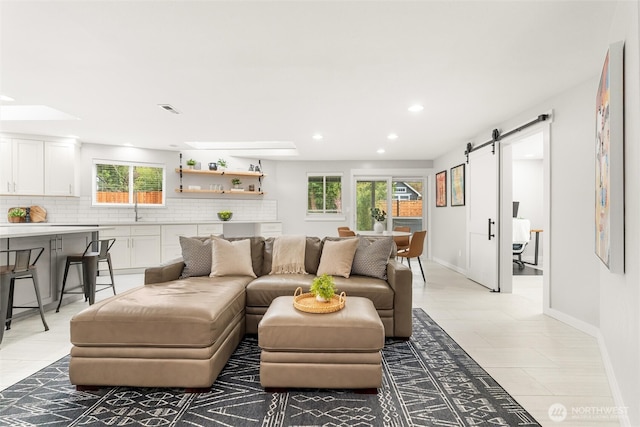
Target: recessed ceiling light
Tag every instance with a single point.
(6, 98)
(173, 145)
(380, 151)
(392, 136)
(73, 136)
(317, 136)
(128, 145)
(416, 108)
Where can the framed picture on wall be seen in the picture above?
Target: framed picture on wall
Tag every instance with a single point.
(441, 189)
(457, 185)
(609, 167)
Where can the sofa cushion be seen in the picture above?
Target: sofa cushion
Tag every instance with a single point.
(263, 290)
(372, 256)
(231, 258)
(337, 257)
(312, 252)
(181, 313)
(196, 254)
(257, 251)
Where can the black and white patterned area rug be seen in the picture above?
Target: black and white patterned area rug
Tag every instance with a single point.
(427, 381)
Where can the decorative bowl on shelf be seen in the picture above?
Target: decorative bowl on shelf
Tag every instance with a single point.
(225, 215)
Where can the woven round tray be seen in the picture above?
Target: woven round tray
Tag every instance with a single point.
(309, 304)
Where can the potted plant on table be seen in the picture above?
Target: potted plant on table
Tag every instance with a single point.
(378, 216)
(17, 215)
(323, 287)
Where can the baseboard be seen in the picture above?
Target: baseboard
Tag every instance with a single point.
(606, 360)
(450, 266)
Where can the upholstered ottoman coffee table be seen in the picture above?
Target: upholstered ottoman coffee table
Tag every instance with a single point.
(308, 350)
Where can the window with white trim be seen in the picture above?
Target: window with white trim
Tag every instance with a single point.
(128, 183)
(324, 194)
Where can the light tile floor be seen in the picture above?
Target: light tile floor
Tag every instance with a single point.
(538, 360)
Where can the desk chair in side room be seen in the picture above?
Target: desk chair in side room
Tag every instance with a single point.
(89, 261)
(416, 246)
(521, 234)
(402, 242)
(23, 267)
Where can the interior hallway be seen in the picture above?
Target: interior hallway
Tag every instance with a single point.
(538, 360)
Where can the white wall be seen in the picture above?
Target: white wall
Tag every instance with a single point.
(582, 291)
(528, 176)
(619, 294)
(449, 224)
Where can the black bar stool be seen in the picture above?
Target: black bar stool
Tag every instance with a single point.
(89, 261)
(23, 267)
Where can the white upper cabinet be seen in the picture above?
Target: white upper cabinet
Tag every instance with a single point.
(22, 166)
(35, 167)
(59, 169)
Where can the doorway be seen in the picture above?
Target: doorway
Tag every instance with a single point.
(525, 202)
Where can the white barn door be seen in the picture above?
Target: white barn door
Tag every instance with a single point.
(483, 225)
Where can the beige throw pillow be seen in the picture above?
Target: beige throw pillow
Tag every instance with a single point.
(231, 258)
(337, 257)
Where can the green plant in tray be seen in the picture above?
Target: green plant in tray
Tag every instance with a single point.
(323, 287)
(17, 213)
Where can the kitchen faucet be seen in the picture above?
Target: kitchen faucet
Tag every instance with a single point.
(135, 206)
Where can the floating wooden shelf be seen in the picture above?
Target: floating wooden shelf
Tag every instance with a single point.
(220, 173)
(240, 193)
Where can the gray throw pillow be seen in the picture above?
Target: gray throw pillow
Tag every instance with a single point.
(372, 256)
(196, 253)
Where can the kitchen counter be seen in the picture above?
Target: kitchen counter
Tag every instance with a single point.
(143, 222)
(32, 230)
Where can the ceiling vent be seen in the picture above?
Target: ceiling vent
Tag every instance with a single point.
(169, 108)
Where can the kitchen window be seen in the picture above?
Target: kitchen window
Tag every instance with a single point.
(127, 184)
(324, 194)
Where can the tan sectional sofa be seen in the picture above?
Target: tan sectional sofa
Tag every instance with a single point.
(180, 332)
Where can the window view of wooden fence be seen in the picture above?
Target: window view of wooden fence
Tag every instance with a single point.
(144, 197)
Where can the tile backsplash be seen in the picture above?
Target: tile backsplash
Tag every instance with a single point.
(78, 210)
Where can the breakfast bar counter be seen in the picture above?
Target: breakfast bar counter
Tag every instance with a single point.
(58, 242)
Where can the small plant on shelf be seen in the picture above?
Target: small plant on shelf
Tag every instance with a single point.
(236, 182)
(191, 163)
(323, 287)
(222, 163)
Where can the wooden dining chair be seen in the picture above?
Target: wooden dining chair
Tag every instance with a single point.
(346, 233)
(402, 242)
(416, 246)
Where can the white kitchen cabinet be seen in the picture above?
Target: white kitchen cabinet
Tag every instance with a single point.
(205, 230)
(136, 246)
(268, 229)
(171, 248)
(60, 159)
(22, 167)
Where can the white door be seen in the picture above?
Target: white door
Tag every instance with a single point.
(483, 227)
